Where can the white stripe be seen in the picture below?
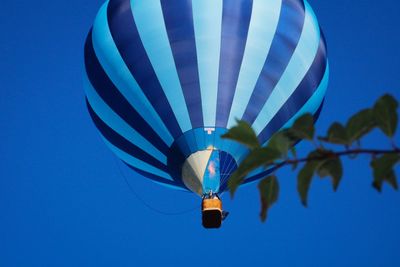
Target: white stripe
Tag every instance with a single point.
(207, 21)
(116, 69)
(297, 68)
(149, 20)
(263, 24)
(118, 124)
(312, 104)
(136, 162)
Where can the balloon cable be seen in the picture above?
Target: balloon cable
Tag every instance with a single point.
(138, 197)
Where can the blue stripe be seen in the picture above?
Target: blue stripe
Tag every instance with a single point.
(262, 174)
(123, 144)
(314, 103)
(196, 140)
(131, 160)
(209, 140)
(175, 160)
(237, 150)
(200, 138)
(119, 74)
(149, 20)
(179, 24)
(126, 37)
(219, 143)
(226, 144)
(308, 86)
(118, 124)
(115, 100)
(158, 179)
(258, 176)
(183, 146)
(262, 29)
(207, 19)
(294, 73)
(227, 163)
(191, 142)
(283, 46)
(172, 186)
(227, 167)
(235, 25)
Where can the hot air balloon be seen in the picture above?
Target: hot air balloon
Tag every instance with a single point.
(166, 78)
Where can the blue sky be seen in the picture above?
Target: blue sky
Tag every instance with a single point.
(63, 203)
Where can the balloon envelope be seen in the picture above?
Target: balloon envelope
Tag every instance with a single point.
(165, 79)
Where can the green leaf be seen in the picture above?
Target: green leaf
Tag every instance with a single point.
(331, 167)
(385, 114)
(281, 143)
(234, 182)
(325, 163)
(243, 133)
(269, 193)
(360, 124)
(390, 178)
(256, 158)
(383, 170)
(336, 135)
(303, 127)
(294, 153)
(304, 180)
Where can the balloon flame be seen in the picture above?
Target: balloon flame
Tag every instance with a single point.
(211, 169)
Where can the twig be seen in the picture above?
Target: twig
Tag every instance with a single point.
(329, 154)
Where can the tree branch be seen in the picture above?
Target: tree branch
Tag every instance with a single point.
(329, 154)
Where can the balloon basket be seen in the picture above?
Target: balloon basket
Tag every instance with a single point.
(212, 213)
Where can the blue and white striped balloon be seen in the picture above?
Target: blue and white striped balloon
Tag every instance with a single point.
(166, 78)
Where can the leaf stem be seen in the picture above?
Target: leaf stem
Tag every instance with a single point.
(357, 151)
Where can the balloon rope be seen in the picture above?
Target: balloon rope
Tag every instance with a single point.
(226, 178)
(228, 168)
(144, 202)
